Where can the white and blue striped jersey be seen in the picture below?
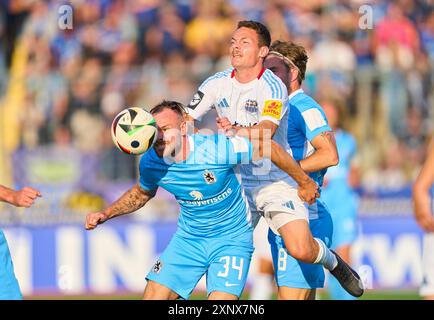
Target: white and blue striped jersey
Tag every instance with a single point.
(205, 185)
(306, 120)
(247, 104)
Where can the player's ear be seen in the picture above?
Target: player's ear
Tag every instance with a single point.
(184, 128)
(294, 74)
(263, 51)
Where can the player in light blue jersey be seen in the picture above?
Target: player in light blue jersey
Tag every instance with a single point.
(340, 183)
(423, 204)
(312, 144)
(214, 235)
(9, 287)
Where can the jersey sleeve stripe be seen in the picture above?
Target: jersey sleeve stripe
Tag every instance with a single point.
(270, 84)
(218, 75)
(280, 91)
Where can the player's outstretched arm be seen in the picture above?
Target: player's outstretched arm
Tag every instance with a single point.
(325, 155)
(130, 201)
(308, 189)
(421, 193)
(19, 198)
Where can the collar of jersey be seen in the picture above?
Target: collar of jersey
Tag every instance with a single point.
(293, 94)
(248, 84)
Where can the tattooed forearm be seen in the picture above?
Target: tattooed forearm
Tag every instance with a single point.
(328, 135)
(130, 201)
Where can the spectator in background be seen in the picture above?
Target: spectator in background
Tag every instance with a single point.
(341, 180)
(423, 197)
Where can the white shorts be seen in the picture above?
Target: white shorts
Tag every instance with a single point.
(427, 287)
(278, 203)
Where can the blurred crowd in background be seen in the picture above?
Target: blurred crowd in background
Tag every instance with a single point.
(62, 88)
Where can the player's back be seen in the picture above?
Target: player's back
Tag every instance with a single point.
(205, 186)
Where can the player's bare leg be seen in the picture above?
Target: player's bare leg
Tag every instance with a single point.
(299, 241)
(219, 295)
(303, 247)
(286, 293)
(156, 291)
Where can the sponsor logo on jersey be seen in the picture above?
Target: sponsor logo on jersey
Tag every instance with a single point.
(197, 98)
(157, 266)
(199, 202)
(251, 106)
(209, 177)
(273, 108)
(196, 195)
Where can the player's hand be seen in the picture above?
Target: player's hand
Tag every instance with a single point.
(226, 125)
(308, 191)
(425, 221)
(25, 197)
(95, 218)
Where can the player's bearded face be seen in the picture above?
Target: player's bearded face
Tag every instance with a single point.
(244, 48)
(169, 133)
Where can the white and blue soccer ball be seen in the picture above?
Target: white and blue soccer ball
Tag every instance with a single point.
(134, 130)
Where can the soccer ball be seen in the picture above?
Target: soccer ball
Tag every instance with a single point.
(134, 130)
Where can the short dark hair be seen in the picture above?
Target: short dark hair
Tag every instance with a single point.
(261, 30)
(178, 107)
(295, 53)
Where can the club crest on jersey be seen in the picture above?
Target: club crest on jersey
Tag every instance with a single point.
(197, 98)
(196, 195)
(157, 266)
(272, 108)
(251, 106)
(209, 177)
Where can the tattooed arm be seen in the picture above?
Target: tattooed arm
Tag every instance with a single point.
(130, 201)
(325, 154)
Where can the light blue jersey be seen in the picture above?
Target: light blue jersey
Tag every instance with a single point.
(343, 212)
(215, 234)
(306, 120)
(9, 288)
(205, 185)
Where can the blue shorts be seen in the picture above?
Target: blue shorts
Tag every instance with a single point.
(292, 273)
(224, 260)
(9, 288)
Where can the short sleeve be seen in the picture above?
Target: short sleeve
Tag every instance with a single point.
(147, 180)
(314, 122)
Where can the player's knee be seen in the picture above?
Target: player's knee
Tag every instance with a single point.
(301, 251)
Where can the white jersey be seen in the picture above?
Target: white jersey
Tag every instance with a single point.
(247, 104)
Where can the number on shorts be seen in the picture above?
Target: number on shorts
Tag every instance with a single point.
(226, 266)
(281, 262)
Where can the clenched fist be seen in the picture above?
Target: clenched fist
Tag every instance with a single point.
(95, 218)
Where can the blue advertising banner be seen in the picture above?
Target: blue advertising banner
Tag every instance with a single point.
(115, 257)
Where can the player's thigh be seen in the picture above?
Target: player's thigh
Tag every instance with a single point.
(280, 205)
(229, 266)
(180, 266)
(287, 293)
(156, 291)
(219, 295)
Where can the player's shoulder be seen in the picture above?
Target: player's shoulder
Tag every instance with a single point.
(217, 77)
(274, 84)
(150, 159)
(304, 102)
